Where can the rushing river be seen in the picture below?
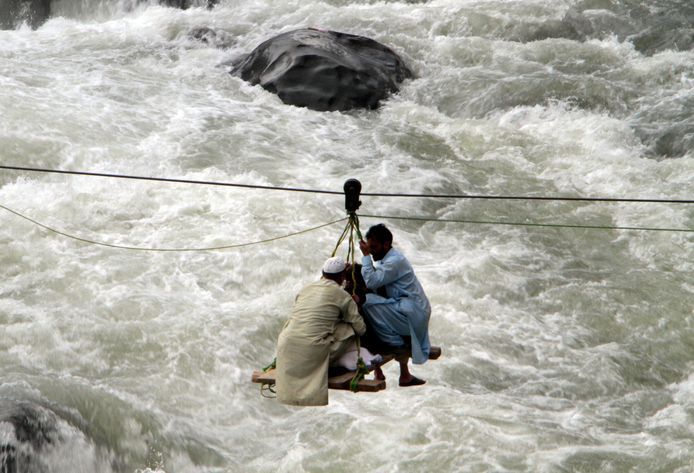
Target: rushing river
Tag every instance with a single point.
(565, 349)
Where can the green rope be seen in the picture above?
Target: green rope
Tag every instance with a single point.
(355, 227)
(352, 229)
(269, 388)
(271, 366)
(342, 237)
(362, 371)
(135, 248)
(350, 251)
(353, 216)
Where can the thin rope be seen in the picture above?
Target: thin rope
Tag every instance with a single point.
(137, 248)
(526, 224)
(170, 180)
(268, 388)
(368, 194)
(355, 218)
(534, 198)
(350, 250)
(342, 237)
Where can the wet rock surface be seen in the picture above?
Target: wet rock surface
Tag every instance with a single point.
(324, 70)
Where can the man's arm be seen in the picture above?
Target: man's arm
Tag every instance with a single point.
(387, 272)
(350, 314)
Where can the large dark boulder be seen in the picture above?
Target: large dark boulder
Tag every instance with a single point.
(324, 70)
(40, 437)
(26, 431)
(184, 4)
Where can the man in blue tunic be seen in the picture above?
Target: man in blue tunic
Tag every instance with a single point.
(405, 309)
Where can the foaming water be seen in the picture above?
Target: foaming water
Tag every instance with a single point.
(565, 349)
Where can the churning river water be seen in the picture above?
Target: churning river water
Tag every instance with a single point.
(565, 349)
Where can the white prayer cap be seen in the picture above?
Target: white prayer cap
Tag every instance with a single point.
(334, 265)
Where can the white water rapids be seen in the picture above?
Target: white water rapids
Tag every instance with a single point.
(564, 349)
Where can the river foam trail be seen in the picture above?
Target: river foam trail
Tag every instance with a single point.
(564, 349)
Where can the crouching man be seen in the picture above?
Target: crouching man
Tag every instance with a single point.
(402, 316)
(323, 325)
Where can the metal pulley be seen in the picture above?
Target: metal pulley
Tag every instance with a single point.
(352, 189)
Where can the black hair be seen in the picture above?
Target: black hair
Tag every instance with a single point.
(380, 233)
(352, 277)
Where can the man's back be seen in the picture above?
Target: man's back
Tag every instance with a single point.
(323, 325)
(317, 310)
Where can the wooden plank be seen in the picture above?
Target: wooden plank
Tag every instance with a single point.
(434, 353)
(370, 385)
(267, 377)
(342, 381)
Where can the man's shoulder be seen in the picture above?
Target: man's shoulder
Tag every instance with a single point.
(395, 256)
(317, 285)
(324, 289)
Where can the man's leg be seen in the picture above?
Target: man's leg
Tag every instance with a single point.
(407, 378)
(391, 326)
(345, 340)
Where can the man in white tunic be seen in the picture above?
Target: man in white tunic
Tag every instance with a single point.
(323, 325)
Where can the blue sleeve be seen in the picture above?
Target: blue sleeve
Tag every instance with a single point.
(387, 271)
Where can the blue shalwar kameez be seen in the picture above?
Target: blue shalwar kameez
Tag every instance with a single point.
(405, 311)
